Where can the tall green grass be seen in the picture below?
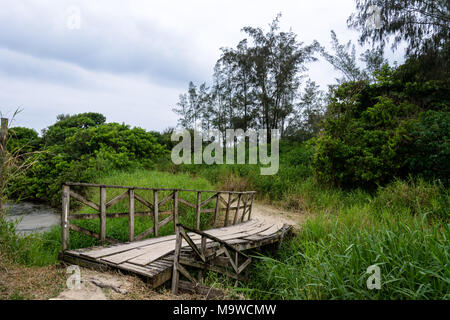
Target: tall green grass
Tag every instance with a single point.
(29, 250)
(402, 229)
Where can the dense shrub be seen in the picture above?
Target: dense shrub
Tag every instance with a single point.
(79, 148)
(374, 132)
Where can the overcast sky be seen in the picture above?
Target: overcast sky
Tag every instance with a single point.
(129, 60)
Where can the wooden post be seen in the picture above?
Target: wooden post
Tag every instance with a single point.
(65, 217)
(237, 209)
(131, 215)
(227, 213)
(176, 259)
(3, 140)
(175, 211)
(155, 212)
(203, 251)
(251, 207)
(216, 211)
(102, 215)
(245, 207)
(198, 207)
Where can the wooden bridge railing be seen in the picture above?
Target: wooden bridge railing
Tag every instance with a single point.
(226, 198)
(213, 254)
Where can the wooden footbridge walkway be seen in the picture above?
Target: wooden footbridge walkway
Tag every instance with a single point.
(186, 251)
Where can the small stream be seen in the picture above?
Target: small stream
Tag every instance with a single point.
(32, 217)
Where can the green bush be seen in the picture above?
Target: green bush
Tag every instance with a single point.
(80, 148)
(375, 132)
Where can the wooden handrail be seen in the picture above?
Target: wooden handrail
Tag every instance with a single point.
(231, 253)
(153, 206)
(85, 184)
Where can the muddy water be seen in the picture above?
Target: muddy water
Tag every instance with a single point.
(32, 217)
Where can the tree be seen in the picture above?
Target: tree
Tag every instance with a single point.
(305, 122)
(374, 61)
(278, 60)
(344, 60)
(423, 24)
(255, 85)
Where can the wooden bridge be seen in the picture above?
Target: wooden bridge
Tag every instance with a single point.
(158, 259)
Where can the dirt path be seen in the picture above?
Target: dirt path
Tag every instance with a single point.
(96, 285)
(277, 215)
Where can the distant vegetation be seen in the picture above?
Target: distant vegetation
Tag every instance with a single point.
(368, 159)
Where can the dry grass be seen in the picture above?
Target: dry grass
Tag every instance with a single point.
(31, 283)
(231, 182)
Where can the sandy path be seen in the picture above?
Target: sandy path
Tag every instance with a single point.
(276, 215)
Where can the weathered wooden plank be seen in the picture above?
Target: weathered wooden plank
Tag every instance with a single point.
(84, 184)
(244, 265)
(102, 215)
(82, 262)
(65, 217)
(176, 264)
(88, 216)
(216, 210)
(198, 264)
(175, 211)
(97, 252)
(153, 253)
(163, 202)
(208, 200)
(227, 213)
(199, 289)
(224, 202)
(185, 273)
(245, 207)
(155, 213)
(165, 221)
(84, 201)
(191, 244)
(143, 201)
(237, 209)
(101, 252)
(197, 210)
(181, 200)
(116, 199)
(144, 255)
(138, 269)
(131, 215)
(167, 247)
(230, 260)
(83, 216)
(251, 207)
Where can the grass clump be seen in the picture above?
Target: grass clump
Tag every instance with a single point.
(329, 258)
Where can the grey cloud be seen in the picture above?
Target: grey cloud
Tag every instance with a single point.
(115, 44)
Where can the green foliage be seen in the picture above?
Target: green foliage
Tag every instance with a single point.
(81, 147)
(294, 167)
(68, 125)
(422, 24)
(329, 257)
(429, 146)
(22, 140)
(30, 250)
(374, 132)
